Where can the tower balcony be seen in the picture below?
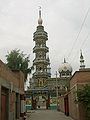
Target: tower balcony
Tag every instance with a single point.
(39, 74)
(40, 48)
(37, 61)
(38, 35)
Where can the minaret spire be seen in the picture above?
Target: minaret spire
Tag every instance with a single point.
(40, 19)
(39, 11)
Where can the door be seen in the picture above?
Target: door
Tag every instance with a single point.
(3, 107)
(4, 103)
(66, 105)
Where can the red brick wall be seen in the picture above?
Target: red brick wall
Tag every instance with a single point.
(20, 76)
(8, 75)
(73, 108)
(78, 80)
(80, 77)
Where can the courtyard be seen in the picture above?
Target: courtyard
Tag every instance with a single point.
(46, 115)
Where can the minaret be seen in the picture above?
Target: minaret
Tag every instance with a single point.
(82, 65)
(40, 62)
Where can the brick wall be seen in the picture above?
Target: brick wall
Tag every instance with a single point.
(80, 77)
(78, 80)
(20, 76)
(73, 108)
(13, 80)
(17, 78)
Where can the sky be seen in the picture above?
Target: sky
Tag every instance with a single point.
(62, 20)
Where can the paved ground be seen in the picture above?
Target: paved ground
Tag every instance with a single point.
(47, 115)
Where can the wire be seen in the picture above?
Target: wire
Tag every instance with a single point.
(79, 32)
(83, 43)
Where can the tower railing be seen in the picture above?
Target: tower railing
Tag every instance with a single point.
(40, 48)
(42, 35)
(40, 74)
(40, 60)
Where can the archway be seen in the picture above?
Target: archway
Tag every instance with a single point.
(41, 102)
(40, 99)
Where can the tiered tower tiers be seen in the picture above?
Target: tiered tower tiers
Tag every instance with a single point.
(41, 62)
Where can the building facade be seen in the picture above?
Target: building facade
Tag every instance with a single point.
(78, 81)
(11, 94)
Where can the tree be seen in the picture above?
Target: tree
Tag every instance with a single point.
(17, 60)
(83, 96)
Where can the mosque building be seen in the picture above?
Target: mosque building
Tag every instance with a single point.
(45, 90)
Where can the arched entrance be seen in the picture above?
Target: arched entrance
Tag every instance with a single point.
(41, 102)
(40, 99)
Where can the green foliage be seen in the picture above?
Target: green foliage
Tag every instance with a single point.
(17, 60)
(83, 96)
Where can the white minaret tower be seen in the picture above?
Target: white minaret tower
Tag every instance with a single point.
(82, 65)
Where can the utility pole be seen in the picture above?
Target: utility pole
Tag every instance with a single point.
(56, 90)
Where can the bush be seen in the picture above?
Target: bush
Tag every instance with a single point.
(83, 96)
